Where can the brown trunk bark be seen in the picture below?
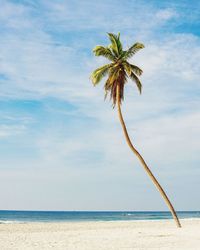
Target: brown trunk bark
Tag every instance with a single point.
(146, 168)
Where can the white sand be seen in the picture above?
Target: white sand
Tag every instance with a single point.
(140, 235)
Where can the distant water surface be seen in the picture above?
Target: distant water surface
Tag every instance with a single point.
(8, 216)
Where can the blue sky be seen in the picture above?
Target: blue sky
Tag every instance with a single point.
(61, 145)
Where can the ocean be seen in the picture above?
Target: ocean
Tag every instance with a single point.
(8, 216)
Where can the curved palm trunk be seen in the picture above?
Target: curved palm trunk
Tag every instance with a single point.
(146, 168)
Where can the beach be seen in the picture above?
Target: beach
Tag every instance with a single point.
(116, 235)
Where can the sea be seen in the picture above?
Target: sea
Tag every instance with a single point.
(8, 216)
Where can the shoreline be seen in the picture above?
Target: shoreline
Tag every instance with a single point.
(96, 221)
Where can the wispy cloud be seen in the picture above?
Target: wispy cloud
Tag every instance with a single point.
(10, 130)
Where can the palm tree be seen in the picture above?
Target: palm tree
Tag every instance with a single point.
(118, 72)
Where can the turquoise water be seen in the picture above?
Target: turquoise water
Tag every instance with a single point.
(61, 216)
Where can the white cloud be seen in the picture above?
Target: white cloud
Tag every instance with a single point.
(11, 130)
(166, 14)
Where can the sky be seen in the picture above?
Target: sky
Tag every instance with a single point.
(61, 144)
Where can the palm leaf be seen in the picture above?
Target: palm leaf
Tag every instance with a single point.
(136, 69)
(107, 87)
(127, 67)
(132, 50)
(104, 51)
(137, 81)
(132, 68)
(111, 82)
(116, 45)
(99, 73)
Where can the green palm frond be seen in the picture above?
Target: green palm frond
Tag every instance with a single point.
(127, 67)
(99, 73)
(132, 68)
(113, 74)
(112, 78)
(105, 52)
(137, 81)
(107, 87)
(116, 45)
(132, 50)
(136, 70)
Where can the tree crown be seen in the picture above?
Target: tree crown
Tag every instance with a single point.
(119, 69)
